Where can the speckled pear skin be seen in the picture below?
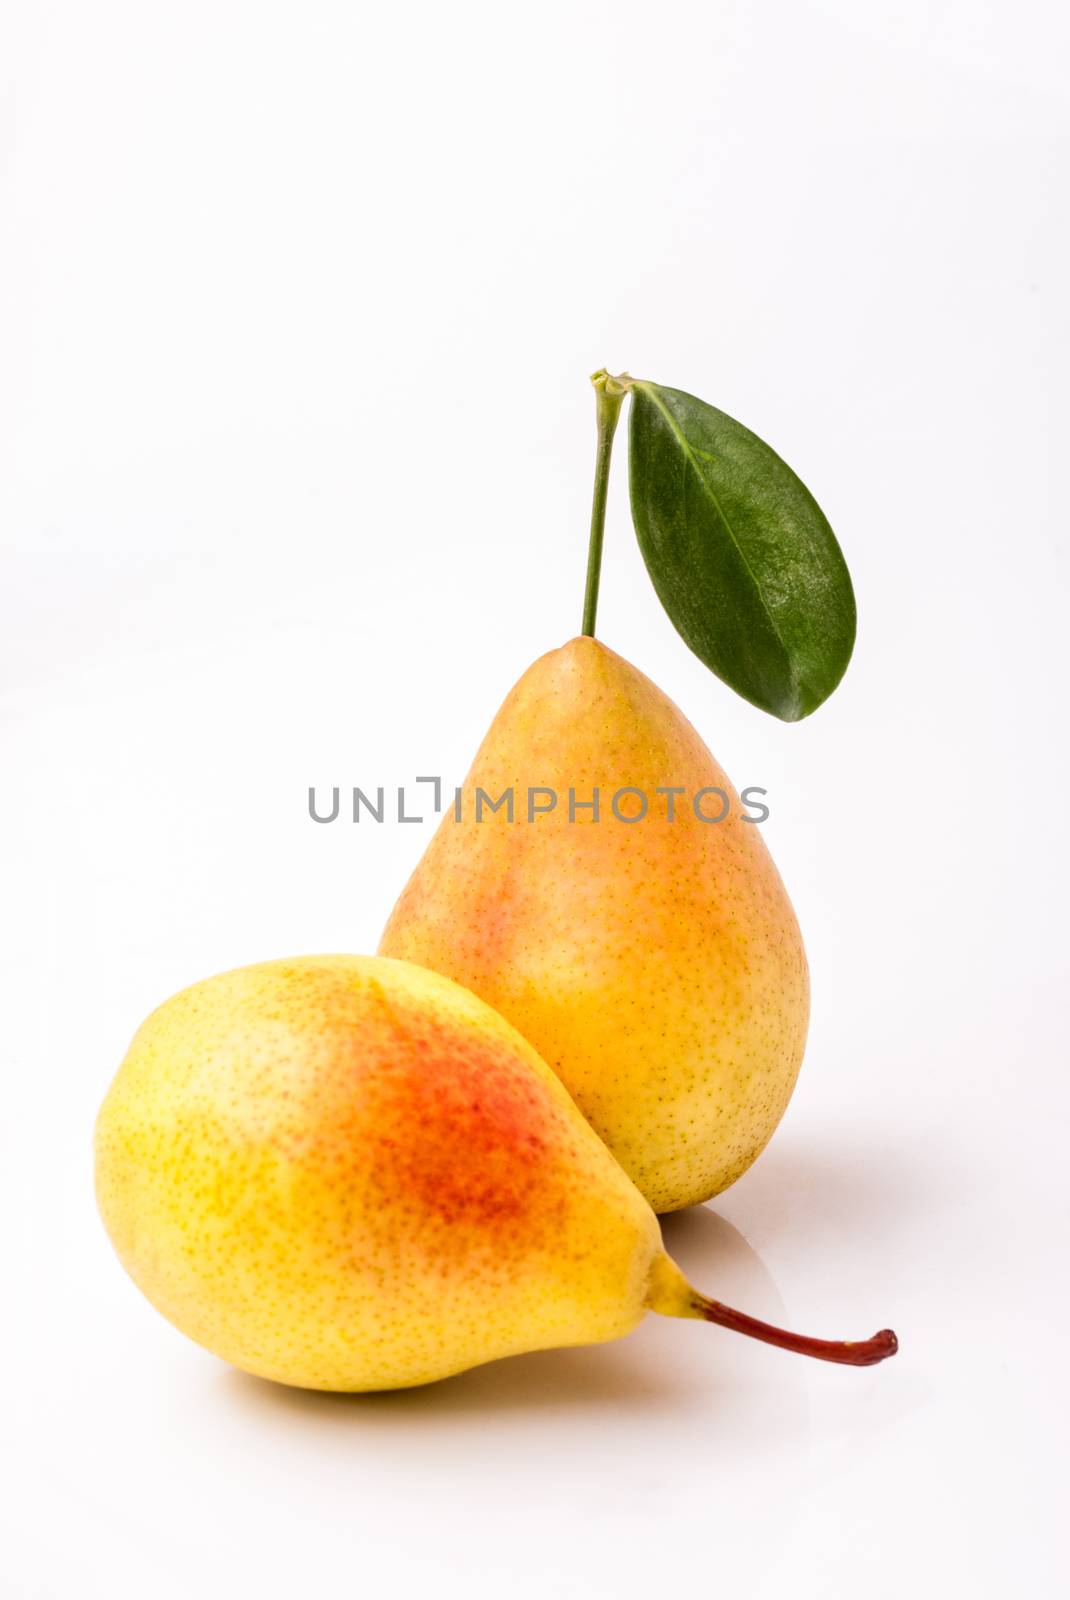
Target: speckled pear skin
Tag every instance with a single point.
(657, 966)
(345, 1172)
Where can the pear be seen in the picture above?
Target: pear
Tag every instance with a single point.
(655, 964)
(346, 1172)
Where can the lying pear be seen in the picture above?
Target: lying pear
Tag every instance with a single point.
(655, 964)
(345, 1172)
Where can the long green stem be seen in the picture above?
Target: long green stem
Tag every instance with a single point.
(609, 397)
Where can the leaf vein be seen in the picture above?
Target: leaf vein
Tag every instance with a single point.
(691, 453)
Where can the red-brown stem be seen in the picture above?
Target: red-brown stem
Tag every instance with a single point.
(863, 1353)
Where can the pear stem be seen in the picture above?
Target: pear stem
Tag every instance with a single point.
(609, 397)
(860, 1353)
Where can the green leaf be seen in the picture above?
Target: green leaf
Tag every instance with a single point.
(740, 553)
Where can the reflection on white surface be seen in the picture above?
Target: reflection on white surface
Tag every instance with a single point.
(703, 1403)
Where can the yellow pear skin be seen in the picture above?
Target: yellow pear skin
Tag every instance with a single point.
(346, 1172)
(656, 965)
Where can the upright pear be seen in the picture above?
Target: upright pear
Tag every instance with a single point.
(645, 947)
(344, 1172)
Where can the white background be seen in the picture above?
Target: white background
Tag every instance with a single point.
(298, 307)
